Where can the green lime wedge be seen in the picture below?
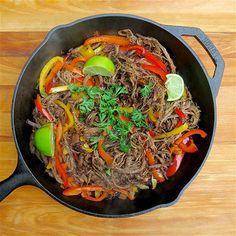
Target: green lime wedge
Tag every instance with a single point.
(99, 65)
(44, 139)
(175, 87)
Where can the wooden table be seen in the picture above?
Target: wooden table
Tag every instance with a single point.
(207, 206)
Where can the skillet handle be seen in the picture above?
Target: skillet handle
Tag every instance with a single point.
(212, 51)
(20, 176)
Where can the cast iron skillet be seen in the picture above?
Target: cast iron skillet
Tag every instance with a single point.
(30, 171)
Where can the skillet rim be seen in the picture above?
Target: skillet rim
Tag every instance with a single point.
(21, 157)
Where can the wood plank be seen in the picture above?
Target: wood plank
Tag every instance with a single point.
(213, 15)
(12, 61)
(205, 191)
(208, 206)
(19, 44)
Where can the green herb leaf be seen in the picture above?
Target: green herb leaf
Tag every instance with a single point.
(86, 106)
(94, 139)
(75, 88)
(112, 136)
(118, 89)
(92, 91)
(146, 90)
(124, 145)
(108, 172)
(138, 119)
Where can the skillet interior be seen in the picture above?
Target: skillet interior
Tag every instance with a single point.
(64, 38)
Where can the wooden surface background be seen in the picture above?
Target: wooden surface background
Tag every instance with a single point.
(208, 206)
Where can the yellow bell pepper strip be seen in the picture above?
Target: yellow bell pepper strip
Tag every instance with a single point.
(59, 89)
(48, 83)
(79, 81)
(58, 152)
(153, 115)
(41, 109)
(68, 113)
(105, 156)
(45, 71)
(99, 49)
(126, 109)
(190, 133)
(86, 51)
(77, 96)
(151, 161)
(175, 164)
(175, 131)
(154, 182)
(119, 40)
(86, 148)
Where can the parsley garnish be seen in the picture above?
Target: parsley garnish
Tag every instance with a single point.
(109, 113)
(138, 119)
(86, 105)
(146, 90)
(124, 145)
(108, 172)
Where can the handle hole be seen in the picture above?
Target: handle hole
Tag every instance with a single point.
(201, 53)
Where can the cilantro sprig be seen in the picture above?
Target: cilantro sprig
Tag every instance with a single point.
(146, 90)
(109, 112)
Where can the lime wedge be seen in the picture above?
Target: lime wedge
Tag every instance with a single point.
(44, 139)
(175, 87)
(99, 65)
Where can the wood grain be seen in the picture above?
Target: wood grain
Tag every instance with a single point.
(209, 15)
(208, 206)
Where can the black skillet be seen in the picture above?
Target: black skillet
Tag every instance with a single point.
(30, 171)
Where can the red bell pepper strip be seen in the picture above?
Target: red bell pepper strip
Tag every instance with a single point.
(58, 152)
(41, 109)
(175, 164)
(140, 50)
(87, 196)
(123, 118)
(105, 156)
(156, 70)
(190, 133)
(189, 147)
(75, 190)
(155, 61)
(152, 133)
(181, 115)
(48, 82)
(119, 40)
(151, 161)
